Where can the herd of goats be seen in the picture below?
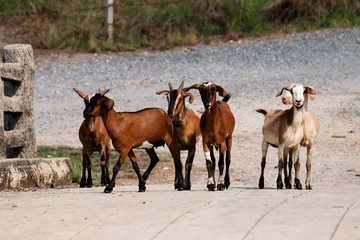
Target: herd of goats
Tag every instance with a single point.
(181, 128)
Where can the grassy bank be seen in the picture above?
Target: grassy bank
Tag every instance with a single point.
(163, 24)
(75, 156)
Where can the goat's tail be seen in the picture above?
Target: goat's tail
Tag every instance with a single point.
(263, 111)
(227, 97)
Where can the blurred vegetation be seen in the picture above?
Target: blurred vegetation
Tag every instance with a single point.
(163, 24)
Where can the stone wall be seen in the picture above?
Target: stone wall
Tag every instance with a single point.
(19, 166)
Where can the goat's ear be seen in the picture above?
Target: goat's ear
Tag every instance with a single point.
(109, 103)
(221, 91)
(81, 94)
(164, 92)
(284, 88)
(196, 86)
(191, 99)
(310, 90)
(103, 92)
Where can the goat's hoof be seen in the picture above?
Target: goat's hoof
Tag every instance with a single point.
(309, 187)
(227, 181)
(83, 183)
(297, 184)
(142, 189)
(177, 185)
(108, 189)
(261, 183)
(89, 185)
(187, 188)
(279, 184)
(287, 183)
(211, 187)
(220, 187)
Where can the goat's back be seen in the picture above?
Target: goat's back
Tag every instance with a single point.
(150, 124)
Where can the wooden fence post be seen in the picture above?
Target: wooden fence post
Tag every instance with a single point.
(109, 19)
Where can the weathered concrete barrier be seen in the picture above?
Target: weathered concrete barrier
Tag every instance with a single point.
(35, 172)
(17, 132)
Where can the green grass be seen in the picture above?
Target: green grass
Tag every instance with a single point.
(163, 24)
(75, 156)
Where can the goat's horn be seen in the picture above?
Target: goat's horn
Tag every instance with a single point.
(181, 85)
(284, 88)
(171, 86)
(103, 92)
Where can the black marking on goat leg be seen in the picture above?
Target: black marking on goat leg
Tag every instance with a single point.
(210, 168)
(287, 183)
(279, 182)
(142, 187)
(297, 184)
(111, 185)
(261, 182)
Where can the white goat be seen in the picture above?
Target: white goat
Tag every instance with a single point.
(284, 129)
(311, 128)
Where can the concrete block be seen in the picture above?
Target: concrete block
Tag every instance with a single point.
(35, 172)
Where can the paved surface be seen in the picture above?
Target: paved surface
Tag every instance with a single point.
(241, 212)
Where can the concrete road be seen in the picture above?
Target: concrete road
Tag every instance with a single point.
(241, 212)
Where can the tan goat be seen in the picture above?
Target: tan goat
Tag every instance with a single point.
(217, 125)
(311, 128)
(94, 137)
(186, 126)
(285, 130)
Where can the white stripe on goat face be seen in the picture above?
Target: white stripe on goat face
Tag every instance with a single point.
(208, 84)
(298, 95)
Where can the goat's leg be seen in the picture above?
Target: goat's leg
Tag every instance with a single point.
(290, 164)
(308, 167)
(132, 157)
(175, 153)
(264, 148)
(104, 158)
(87, 165)
(228, 161)
(154, 159)
(221, 182)
(210, 165)
(188, 167)
(297, 183)
(84, 163)
(107, 163)
(286, 172)
(279, 182)
(116, 169)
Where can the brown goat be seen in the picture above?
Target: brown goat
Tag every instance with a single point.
(94, 137)
(186, 126)
(147, 128)
(217, 125)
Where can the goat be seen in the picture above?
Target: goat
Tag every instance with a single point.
(186, 126)
(217, 125)
(284, 129)
(311, 128)
(94, 137)
(146, 129)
